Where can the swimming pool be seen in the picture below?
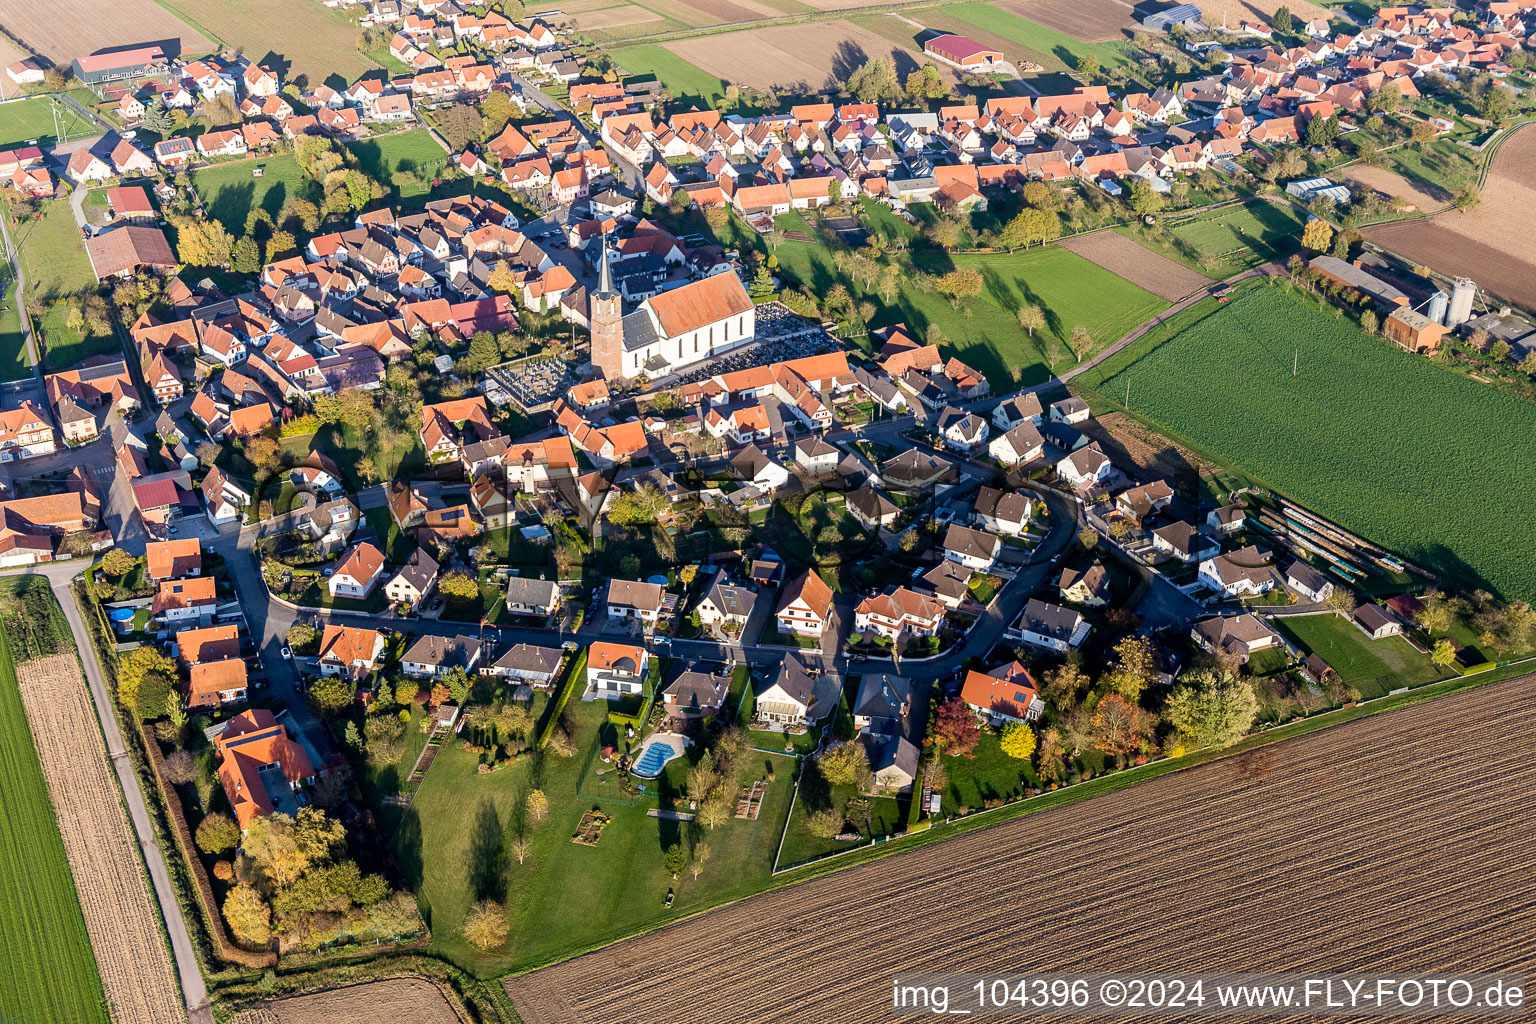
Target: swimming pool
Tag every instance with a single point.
(653, 759)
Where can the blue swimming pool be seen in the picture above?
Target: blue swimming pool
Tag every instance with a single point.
(653, 759)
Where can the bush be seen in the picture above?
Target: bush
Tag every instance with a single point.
(217, 833)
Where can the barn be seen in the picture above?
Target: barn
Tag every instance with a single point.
(1163, 17)
(962, 51)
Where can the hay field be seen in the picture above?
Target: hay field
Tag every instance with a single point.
(1491, 244)
(613, 17)
(817, 55)
(1308, 854)
(62, 30)
(1137, 264)
(396, 1001)
(103, 852)
(297, 37)
(1391, 183)
(1092, 21)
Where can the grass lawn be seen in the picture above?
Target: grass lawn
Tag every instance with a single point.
(14, 364)
(888, 816)
(1045, 46)
(1358, 448)
(63, 348)
(568, 897)
(414, 151)
(1240, 237)
(50, 973)
(985, 331)
(53, 256)
(230, 192)
(989, 775)
(1435, 168)
(397, 546)
(1371, 666)
(23, 120)
(688, 83)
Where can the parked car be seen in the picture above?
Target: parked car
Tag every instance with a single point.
(287, 654)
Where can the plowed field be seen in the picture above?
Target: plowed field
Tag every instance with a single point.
(1491, 244)
(1137, 264)
(1397, 843)
(99, 843)
(396, 1001)
(1092, 21)
(817, 54)
(62, 30)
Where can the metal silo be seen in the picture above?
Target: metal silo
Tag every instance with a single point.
(1462, 294)
(1438, 303)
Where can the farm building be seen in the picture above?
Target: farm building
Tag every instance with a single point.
(120, 252)
(1414, 331)
(1161, 18)
(1347, 275)
(1308, 189)
(962, 51)
(120, 65)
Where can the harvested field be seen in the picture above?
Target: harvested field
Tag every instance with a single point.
(1491, 244)
(1393, 184)
(1308, 854)
(612, 17)
(838, 5)
(729, 11)
(1237, 10)
(62, 30)
(815, 55)
(1138, 264)
(396, 1001)
(10, 53)
(297, 37)
(1128, 442)
(103, 853)
(1092, 21)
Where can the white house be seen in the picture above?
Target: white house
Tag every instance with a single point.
(1004, 512)
(1085, 467)
(1050, 626)
(726, 604)
(632, 599)
(975, 549)
(616, 670)
(900, 611)
(1308, 582)
(1021, 443)
(796, 699)
(536, 666)
(357, 573)
(805, 607)
(1242, 573)
(1070, 410)
(431, 656)
(1183, 542)
(535, 597)
(351, 652)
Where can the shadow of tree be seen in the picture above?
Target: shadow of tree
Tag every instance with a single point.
(487, 863)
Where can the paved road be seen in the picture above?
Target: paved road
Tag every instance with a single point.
(192, 988)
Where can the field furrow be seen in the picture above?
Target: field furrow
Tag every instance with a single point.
(103, 855)
(1397, 843)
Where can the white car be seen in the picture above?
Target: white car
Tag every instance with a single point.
(287, 654)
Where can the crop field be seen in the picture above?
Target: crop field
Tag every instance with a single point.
(396, 1001)
(1139, 265)
(688, 82)
(1391, 183)
(103, 852)
(1235, 11)
(1301, 855)
(1371, 666)
(1092, 21)
(1353, 432)
(47, 972)
(295, 37)
(805, 57)
(985, 332)
(32, 118)
(1042, 44)
(62, 30)
(1490, 244)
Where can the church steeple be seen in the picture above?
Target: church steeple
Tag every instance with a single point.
(607, 321)
(604, 272)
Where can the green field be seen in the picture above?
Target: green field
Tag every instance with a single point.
(1371, 666)
(567, 897)
(688, 83)
(14, 364)
(52, 254)
(985, 332)
(1240, 237)
(1043, 45)
(32, 118)
(414, 151)
(230, 193)
(48, 971)
(1363, 432)
(63, 348)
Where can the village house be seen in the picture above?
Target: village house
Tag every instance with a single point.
(408, 587)
(256, 755)
(692, 695)
(977, 550)
(432, 656)
(1088, 587)
(1242, 573)
(1376, 622)
(184, 600)
(795, 699)
(615, 671)
(805, 606)
(350, 652)
(897, 613)
(526, 663)
(1050, 626)
(357, 573)
(1004, 512)
(726, 604)
(1236, 636)
(1004, 694)
(526, 595)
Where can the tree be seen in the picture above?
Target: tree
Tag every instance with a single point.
(1369, 322)
(280, 244)
(202, 243)
(1031, 318)
(701, 853)
(1211, 709)
(1282, 20)
(844, 764)
(1386, 100)
(702, 778)
(207, 454)
(1495, 104)
(495, 111)
(1464, 195)
(955, 729)
(1018, 741)
(459, 585)
(1145, 199)
(1321, 131)
(674, 859)
(1340, 600)
(485, 926)
(1317, 235)
(875, 82)
(1423, 133)
(1444, 653)
(824, 824)
(1120, 727)
(961, 283)
(522, 849)
(301, 635)
(1062, 685)
(717, 809)
(180, 767)
(459, 124)
(1087, 66)
(330, 695)
(118, 563)
(248, 916)
(1079, 342)
(139, 665)
(537, 804)
(217, 833)
(926, 83)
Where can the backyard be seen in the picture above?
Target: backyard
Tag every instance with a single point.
(14, 364)
(1371, 666)
(567, 897)
(230, 192)
(414, 151)
(1360, 448)
(52, 254)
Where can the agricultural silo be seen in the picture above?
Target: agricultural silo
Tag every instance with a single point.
(1462, 293)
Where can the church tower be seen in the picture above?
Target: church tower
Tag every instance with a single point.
(607, 321)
